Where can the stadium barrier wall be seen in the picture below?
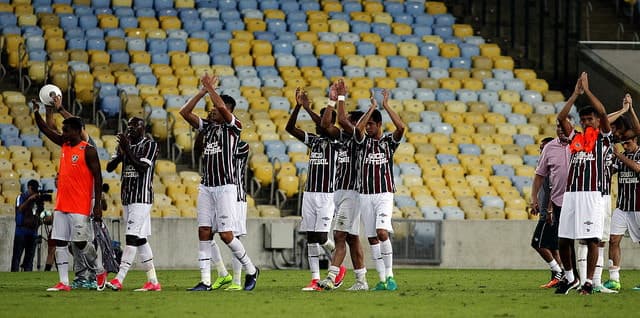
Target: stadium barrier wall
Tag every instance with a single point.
(482, 244)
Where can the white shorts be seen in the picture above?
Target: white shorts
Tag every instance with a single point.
(375, 211)
(317, 212)
(582, 215)
(217, 207)
(71, 227)
(622, 221)
(241, 219)
(137, 216)
(347, 212)
(606, 229)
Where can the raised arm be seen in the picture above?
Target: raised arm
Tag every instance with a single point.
(615, 115)
(53, 135)
(563, 115)
(315, 117)
(301, 98)
(186, 111)
(635, 124)
(397, 121)
(605, 127)
(343, 119)
(325, 121)
(93, 163)
(211, 83)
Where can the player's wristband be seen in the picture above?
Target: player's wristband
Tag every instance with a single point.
(341, 98)
(331, 103)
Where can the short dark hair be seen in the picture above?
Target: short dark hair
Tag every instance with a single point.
(74, 123)
(33, 184)
(333, 114)
(137, 119)
(376, 116)
(546, 140)
(229, 101)
(355, 115)
(587, 110)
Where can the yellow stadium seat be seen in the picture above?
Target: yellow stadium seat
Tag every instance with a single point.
(385, 49)
(449, 50)
(324, 48)
(264, 60)
(148, 23)
(539, 85)
(307, 36)
(506, 129)
(435, 39)
(331, 6)
(494, 118)
(197, 45)
(413, 105)
(274, 14)
(255, 25)
(344, 49)
(361, 16)
(435, 7)
(415, 61)
(396, 72)
(370, 37)
(525, 74)
(461, 74)
(315, 15)
(140, 57)
(489, 49)
(155, 33)
(501, 139)
(401, 29)
(503, 62)
(179, 4)
(450, 83)
(454, 106)
(472, 118)
(462, 30)
(385, 82)
(409, 49)
(509, 96)
(373, 7)
(338, 26)
(319, 26)
(478, 107)
(553, 96)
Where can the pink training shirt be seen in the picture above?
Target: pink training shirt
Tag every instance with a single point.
(554, 163)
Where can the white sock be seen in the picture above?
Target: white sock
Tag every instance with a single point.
(333, 272)
(376, 255)
(237, 271)
(146, 262)
(614, 273)
(554, 266)
(581, 261)
(216, 259)
(313, 253)
(361, 275)
(569, 276)
(387, 257)
(204, 258)
(62, 261)
(128, 255)
(241, 254)
(597, 274)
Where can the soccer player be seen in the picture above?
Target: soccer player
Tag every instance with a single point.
(241, 156)
(625, 217)
(218, 193)
(545, 236)
(79, 181)
(317, 200)
(345, 198)
(138, 155)
(582, 215)
(376, 185)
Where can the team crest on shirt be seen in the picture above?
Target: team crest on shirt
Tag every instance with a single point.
(74, 158)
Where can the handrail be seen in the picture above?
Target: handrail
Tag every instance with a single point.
(587, 17)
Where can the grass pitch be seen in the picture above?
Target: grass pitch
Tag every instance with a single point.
(421, 293)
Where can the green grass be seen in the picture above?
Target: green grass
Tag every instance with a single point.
(422, 293)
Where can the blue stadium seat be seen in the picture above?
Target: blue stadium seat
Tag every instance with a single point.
(284, 59)
(268, 4)
(147, 79)
(442, 128)
(516, 119)
(11, 29)
(287, 36)
(276, 25)
(402, 201)
(360, 27)
(407, 83)
(438, 72)
(353, 71)
(531, 160)
(335, 15)
(468, 50)
(176, 44)
(523, 140)
(500, 107)
(32, 30)
(374, 72)
(432, 213)
(492, 201)
(443, 95)
(145, 12)
(351, 6)
(234, 25)
(253, 81)
(430, 50)
(466, 95)
(123, 12)
(223, 35)
(310, 6)
(9, 130)
(514, 84)
(227, 5)
(488, 97)
(307, 60)
(119, 57)
(411, 39)
(520, 182)
(297, 27)
(401, 94)
(110, 105)
(87, 21)
(382, 29)
(503, 170)
(192, 25)
(289, 6)
(443, 31)
(330, 61)
(414, 7)
(76, 44)
(264, 71)
(229, 81)
(247, 4)
(424, 94)
(117, 33)
(397, 61)
(11, 141)
(35, 43)
(282, 47)
(502, 75)
(212, 25)
(332, 72)
(302, 48)
(430, 117)
(279, 102)
(403, 18)
(68, 21)
(296, 16)
(461, 62)
(420, 127)
(444, 159)
(531, 97)
(471, 149)
(452, 213)
(365, 48)
(493, 84)
(440, 62)
(142, 4)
